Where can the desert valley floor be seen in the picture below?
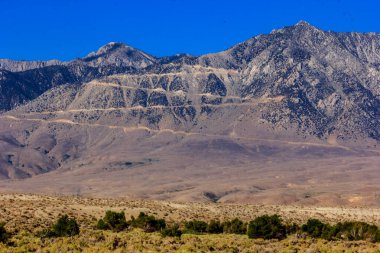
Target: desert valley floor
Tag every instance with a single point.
(169, 165)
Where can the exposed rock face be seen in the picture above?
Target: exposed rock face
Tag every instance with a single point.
(329, 80)
(29, 79)
(16, 88)
(297, 93)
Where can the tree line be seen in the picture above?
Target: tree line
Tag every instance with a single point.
(266, 227)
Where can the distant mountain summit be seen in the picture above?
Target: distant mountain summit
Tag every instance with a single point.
(120, 55)
(329, 80)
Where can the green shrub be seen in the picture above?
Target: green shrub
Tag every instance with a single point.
(214, 227)
(101, 225)
(65, 226)
(360, 231)
(4, 236)
(114, 221)
(234, 226)
(316, 228)
(148, 223)
(353, 231)
(267, 227)
(331, 232)
(195, 227)
(172, 231)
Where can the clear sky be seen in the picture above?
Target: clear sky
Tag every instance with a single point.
(67, 29)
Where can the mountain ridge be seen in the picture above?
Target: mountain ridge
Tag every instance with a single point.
(272, 117)
(24, 65)
(316, 71)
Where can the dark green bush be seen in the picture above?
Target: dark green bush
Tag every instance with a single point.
(234, 226)
(359, 231)
(354, 231)
(102, 225)
(214, 227)
(267, 227)
(65, 226)
(4, 236)
(114, 221)
(172, 231)
(351, 231)
(315, 228)
(195, 227)
(148, 223)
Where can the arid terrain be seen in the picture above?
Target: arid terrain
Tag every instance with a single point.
(25, 215)
(144, 164)
(289, 117)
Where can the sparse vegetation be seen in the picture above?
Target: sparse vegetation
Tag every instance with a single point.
(218, 235)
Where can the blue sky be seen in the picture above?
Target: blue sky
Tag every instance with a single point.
(67, 29)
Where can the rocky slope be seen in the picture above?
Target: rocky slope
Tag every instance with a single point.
(18, 66)
(321, 83)
(22, 81)
(275, 117)
(330, 80)
(111, 54)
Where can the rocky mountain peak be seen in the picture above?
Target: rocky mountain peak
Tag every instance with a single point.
(303, 23)
(119, 54)
(296, 28)
(303, 29)
(109, 48)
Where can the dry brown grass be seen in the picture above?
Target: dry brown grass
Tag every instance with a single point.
(27, 214)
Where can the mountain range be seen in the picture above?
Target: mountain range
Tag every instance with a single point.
(287, 117)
